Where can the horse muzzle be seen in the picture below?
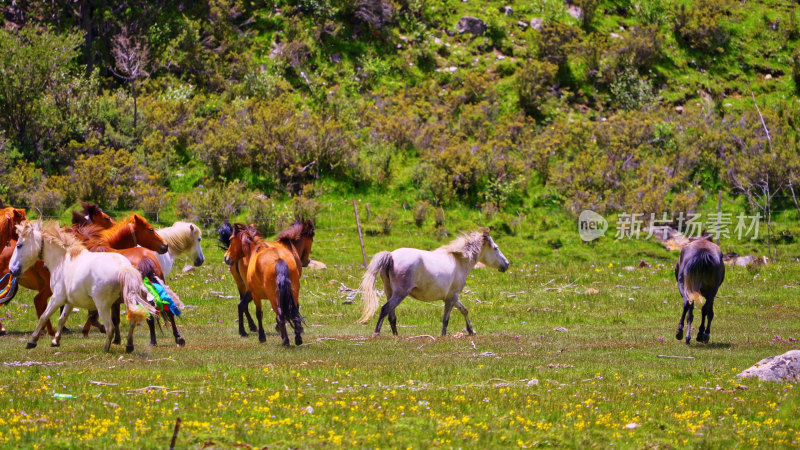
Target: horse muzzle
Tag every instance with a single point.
(199, 262)
(227, 260)
(163, 249)
(503, 267)
(15, 270)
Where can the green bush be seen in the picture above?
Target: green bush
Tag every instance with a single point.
(533, 85)
(702, 26)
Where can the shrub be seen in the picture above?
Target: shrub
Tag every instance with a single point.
(533, 85)
(702, 26)
(266, 216)
(796, 69)
(305, 209)
(48, 201)
(185, 209)
(219, 202)
(152, 198)
(630, 91)
(108, 179)
(556, 42)
(651, 12)
(386, 222)
(438, 217)
(421, 210)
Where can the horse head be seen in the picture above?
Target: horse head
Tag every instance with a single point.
(29, 247)
(491, 255)
(95, 215)
(145, 235)
(236, 244)
(197, 237)
(11, 217)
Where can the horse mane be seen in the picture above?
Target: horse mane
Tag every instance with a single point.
(178, 236)
(91, 236)
(469, 245)
(11, 217)
(225, 234)
(54, 234)
(297, 230)
(90, 209)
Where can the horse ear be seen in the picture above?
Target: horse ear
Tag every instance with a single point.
(192, 227)
(20, 214)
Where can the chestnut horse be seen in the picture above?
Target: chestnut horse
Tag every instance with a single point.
(9, 218)
(300, 235)
(273, 272)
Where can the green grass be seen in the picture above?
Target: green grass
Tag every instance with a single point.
(343, 388)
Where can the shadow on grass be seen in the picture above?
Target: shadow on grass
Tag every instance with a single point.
(713, 345)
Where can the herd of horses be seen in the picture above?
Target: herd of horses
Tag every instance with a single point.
(98, 264)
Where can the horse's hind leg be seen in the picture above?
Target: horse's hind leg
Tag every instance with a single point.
(129, 346)
(679, 333)
(393, 322)
(178, 338)
(115, 321)
(262, 336)
(105, 316)
(151, 325)
(247, 298)
(40, 303)
(65, 310)
(689, 324)
(387, 309)
(465, 313)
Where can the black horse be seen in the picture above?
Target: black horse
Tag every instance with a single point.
(699, 272)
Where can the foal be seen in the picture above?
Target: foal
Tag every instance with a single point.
(699, 273)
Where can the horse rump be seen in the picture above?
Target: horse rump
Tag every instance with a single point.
(130, 281)
(701, 273)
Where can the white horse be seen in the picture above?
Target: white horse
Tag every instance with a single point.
(428, 276)
(182, 237)
(79, 278)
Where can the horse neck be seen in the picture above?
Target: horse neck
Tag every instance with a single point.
(120, 236)
(53, 256)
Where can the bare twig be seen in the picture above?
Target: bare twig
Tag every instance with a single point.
(676, 357)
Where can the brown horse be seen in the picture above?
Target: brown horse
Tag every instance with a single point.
(699, 272)
(273, 272)
(9, 219)
(92, 214)
(300, 235)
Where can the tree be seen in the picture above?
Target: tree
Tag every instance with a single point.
(131, 60)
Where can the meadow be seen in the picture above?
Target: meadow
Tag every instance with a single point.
(568, 353)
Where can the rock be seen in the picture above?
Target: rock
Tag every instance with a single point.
(188, 269)
(679, 109)
(629, 268)
(437, 41)
(472, 25)
(732, 259)
(615, 36)
(768, 76)
(575, 11)
(507, 10)
(560, 329)
(592, 291)
(522, 24)
(316, 265)
(536, 23)
(336, 58)
(632, 426)
(785, 367)
(533, 382)
(644, 265)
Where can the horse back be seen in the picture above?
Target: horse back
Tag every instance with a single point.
(701, 261)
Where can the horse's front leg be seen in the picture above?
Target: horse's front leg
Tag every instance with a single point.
(689, 323)
(56, 301)
(247, 298)
(262, 336)
(40, 303)
(465, 313)
(242, 307)
(129, 346)
(177, 334)
(448, 307)
(65, 311)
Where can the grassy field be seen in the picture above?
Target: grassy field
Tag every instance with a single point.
(518, 382)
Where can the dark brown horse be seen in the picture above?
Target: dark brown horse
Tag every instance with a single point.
(299, 235)
(92, 214)
(273, 272)
(699, 272)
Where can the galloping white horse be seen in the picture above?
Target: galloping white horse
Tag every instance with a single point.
(182, 237)
(428, 276)
(79, 278)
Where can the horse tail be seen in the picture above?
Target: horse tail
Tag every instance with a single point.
(130, 281)
(380, 262)
(146, 267)
(698, 273)
(289, 309)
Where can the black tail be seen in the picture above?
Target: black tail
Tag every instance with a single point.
(289, 310)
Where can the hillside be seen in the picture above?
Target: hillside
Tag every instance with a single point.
(208, 110)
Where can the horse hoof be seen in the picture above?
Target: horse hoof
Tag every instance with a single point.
(54, 344)
(128, 349)
(375, 334)
(117, 341)
(688, 339)
(253, 329)
(101, 328)
(262, 338)
(243, 334)
(3, 332)
(30, 345)
(679, 335)
(181, 342)
(298, 340)
(286, 342)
